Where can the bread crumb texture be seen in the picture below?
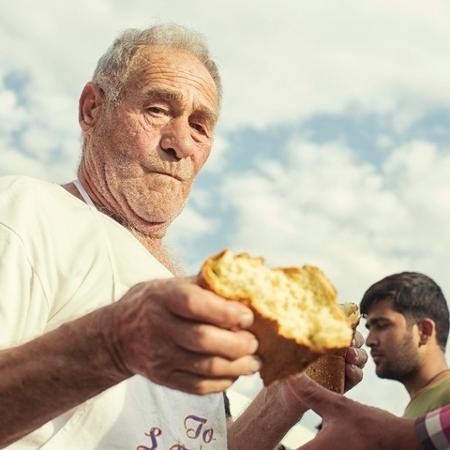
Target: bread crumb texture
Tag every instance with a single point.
(297, 317)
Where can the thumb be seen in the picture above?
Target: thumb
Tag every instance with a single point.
(320, 400)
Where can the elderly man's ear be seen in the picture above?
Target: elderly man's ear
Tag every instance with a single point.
(91, 101)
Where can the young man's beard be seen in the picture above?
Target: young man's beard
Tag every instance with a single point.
(401, 364)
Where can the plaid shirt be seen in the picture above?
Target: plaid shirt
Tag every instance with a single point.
(433, 429)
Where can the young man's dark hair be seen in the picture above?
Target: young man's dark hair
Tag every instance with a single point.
(414, 295)
(408, 322)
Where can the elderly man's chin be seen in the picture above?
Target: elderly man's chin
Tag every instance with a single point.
(153, 213)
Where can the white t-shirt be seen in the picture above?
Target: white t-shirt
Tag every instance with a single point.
(60, 259)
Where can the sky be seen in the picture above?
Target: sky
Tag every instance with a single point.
(333, 146)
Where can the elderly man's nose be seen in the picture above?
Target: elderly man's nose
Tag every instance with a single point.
(177, 140)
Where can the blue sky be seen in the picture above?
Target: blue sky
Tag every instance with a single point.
(333, 143)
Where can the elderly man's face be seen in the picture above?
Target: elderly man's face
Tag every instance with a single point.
(149, 148)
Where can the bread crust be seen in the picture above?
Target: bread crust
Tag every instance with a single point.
(282, 354)
(329, 370)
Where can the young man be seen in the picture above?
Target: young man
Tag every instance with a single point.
(408, 322)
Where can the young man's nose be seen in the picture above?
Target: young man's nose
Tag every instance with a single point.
(371, 340)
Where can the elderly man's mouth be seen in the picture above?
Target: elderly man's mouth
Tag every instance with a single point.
(170, 175)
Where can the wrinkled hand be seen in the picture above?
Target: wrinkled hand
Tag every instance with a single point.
(351, 425)
(355, 360)
(180, 335)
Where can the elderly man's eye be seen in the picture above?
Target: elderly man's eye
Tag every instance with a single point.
(157, 110)
(199, 127)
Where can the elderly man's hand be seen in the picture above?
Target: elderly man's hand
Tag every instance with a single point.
(177, 334)
(355, 360)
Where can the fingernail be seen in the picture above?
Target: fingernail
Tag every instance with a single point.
(253, 346)
(245, 320)
(351, 355)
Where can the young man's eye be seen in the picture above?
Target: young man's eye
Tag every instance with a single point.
(377, 326)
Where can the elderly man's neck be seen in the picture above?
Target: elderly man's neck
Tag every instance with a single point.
(153, 244)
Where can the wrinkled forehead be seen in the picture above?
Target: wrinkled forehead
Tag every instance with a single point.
(175, 68)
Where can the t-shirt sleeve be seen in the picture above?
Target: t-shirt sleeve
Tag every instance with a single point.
(23, 304)
(433, 429)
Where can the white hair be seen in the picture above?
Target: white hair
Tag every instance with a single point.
(114, 66)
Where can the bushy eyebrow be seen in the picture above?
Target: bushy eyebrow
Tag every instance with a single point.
(164, 94)
(169, 95)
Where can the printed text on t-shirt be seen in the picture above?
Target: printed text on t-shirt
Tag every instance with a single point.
(195, 428)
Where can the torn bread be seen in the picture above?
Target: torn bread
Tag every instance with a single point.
(329, 370)
(296, 315)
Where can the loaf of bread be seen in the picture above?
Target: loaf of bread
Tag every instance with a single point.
(329, 370)
(297, 318)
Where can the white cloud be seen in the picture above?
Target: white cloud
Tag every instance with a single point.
(217, 161)
(190, 222)
(16, 163)
(281, 61)
(358, 222)
(12, 116)
(303, 58)
(324, 205)
(189, 225)
(384, 142)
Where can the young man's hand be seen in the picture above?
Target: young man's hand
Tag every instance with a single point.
(350, 425)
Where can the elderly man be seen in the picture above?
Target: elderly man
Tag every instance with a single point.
(95, 355)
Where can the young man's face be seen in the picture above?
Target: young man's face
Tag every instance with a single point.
(393, 342)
